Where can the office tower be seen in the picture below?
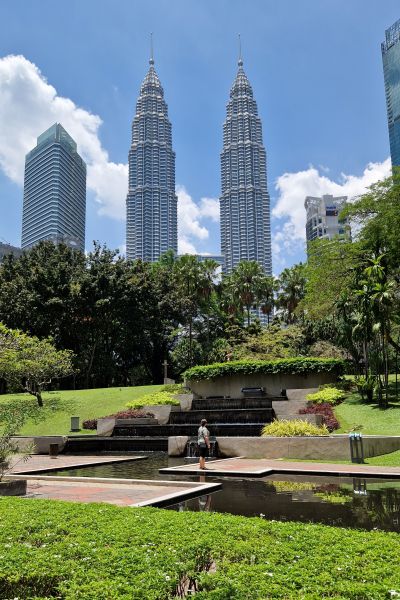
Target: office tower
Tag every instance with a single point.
(244, 201)
(323, 217)
(151, 204)
(391, 73)
(54, 191)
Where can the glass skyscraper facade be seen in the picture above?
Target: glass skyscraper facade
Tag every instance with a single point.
(244, 201)
(391, 72)
(54, 205)
(151, 204)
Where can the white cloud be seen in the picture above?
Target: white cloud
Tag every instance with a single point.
(190, 217)
(28, 106)
(293, 188)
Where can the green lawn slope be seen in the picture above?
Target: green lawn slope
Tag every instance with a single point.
(53, 549)
(355, 415)
(87, 404)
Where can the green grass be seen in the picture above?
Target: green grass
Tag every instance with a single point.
(51, 549)
(354, 414)
(87, 404)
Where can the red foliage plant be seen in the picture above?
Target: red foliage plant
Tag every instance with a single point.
(324, 409)
(130, 413)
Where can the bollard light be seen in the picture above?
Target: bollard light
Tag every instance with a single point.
(75, 424)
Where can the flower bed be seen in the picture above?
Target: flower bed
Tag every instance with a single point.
(123, 414)
(325, 409)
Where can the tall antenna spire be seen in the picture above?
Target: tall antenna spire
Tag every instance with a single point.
(240, 61)
(151, 61)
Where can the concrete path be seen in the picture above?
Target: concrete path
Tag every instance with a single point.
(38, 463)
(261, 467)
(121, 492)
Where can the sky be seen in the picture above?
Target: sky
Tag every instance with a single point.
(315, 68)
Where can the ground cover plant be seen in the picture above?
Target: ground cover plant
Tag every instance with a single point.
(295, 427)
(60, 405)
(72, 551)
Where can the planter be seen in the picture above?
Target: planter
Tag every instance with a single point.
(14, 487)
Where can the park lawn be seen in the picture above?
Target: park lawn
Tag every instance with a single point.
(54, 549)
(87, 404)
(355, 415)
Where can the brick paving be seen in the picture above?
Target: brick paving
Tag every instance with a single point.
(38, 463)
(120, 494)
(260, 467)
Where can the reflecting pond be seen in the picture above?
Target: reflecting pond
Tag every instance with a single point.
(340, 501)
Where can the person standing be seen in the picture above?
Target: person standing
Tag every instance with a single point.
(203, 443)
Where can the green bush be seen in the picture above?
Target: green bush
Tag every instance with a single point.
(266, 367)
(165, 396)
(52, 549)
(297, 427)
(327, 395)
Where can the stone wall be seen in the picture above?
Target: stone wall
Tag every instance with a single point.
(231, 385)
(333, 447)
(40, 444)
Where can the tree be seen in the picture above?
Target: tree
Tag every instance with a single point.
(31, 364)
(245, 285)
(291, 283)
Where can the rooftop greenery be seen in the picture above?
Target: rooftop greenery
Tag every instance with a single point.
(296, 366)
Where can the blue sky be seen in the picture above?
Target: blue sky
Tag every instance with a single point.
(316, 72)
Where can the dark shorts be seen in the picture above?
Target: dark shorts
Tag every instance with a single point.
(203, 450)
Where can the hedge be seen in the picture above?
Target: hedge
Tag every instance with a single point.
(53, 549)
(265, 367)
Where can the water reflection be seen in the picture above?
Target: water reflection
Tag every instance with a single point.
(340, 501)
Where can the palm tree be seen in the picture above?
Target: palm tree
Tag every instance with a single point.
(267, 296)
(245, 284)
(291, 283)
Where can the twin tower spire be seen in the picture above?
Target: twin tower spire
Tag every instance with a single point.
(152, 223)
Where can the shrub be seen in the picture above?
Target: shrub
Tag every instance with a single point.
(123, 414)
(297, 427)
(158, 398)
(266, 367)
(325, 409)
(327, 396)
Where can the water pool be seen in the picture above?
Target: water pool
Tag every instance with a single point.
(340, 501)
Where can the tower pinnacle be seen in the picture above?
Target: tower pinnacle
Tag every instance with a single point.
(240, 60)
(151, 61)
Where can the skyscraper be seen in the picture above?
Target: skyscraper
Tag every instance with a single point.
(244, 202)
(323, 217)
(391, 72)
(54, 205)
(151, 204)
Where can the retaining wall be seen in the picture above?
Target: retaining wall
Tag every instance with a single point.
(333, 447)
(40, 444)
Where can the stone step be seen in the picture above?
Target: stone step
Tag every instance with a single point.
(225, 429)
(233, 403)
(88, 444)
(243, 416)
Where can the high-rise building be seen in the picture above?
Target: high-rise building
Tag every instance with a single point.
(151, 204)
(54, 191)
(391, 72)
(323, 217)
(244, 201)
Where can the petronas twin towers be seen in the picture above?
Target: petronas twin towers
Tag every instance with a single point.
(152, 224)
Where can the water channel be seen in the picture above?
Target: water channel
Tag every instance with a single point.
(341, 501)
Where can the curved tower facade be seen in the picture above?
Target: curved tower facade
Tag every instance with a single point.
(244, 201)
(151, 225)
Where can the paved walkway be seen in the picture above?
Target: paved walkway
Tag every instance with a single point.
(261, 467)
(128, 492)
(38, 463)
